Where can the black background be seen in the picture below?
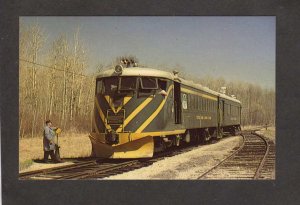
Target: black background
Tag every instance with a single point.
(283, 190)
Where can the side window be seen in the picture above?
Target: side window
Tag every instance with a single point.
(185, 101)
(208, 105)
(201, 104)
(162, 84)
(228, 109)
(99, 87)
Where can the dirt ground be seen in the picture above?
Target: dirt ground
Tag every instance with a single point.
(189, 165)
(71, 146)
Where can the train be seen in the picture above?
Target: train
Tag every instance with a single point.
(139, 111)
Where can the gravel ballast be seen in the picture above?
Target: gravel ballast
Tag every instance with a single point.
(189, 165)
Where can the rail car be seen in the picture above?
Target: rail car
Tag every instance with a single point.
(139, 111)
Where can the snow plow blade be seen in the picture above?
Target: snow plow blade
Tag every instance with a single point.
(140, 148)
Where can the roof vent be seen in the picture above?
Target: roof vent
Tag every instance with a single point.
(175, 72)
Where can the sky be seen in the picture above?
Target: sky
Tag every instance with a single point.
(235, 48)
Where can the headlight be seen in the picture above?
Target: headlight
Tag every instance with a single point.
(118, 69)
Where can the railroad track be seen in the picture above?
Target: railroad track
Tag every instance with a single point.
(80, 170)
(254, 159)
(96, 169)
(266, 171)
(251, 156)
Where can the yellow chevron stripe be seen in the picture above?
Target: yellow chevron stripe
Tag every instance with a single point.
(199, 94)
(109, 101)
(116, 110)
(125, 101)
(102, 115)
(135, 112)
(155, 113)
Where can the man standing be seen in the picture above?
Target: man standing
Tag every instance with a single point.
(48, 141)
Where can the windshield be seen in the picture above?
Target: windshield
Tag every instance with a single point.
(113, 85)
(127, 83)
(148, 83)
(110, 84)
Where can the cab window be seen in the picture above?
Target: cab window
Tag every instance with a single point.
(110, 84)
(162, 84)
(128, 83)
(99, 87)
(148, 83)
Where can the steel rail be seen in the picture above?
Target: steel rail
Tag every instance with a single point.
(239, 151)
(97, 171)
(226, 158)
(262, 163)
(28, 174)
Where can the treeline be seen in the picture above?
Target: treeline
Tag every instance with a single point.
(258, 104)
(54, 84)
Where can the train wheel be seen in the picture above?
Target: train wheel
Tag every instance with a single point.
(207, 136)
(177, 140)
(197, 136)
(220, 133)
(159, 145)
(239, 130)
(214, 134)
(187, 137)
(233, 131)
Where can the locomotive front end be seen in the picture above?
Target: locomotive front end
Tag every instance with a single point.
(119, 121)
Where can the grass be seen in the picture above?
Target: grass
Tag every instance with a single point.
(25, 164)
(72, 145)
